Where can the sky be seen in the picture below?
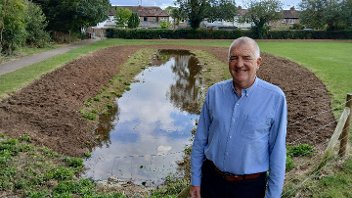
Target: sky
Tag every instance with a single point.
(286, 4)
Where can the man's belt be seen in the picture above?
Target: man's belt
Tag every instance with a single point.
(236, 178)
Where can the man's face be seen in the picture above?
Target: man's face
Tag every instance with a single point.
(243, 65)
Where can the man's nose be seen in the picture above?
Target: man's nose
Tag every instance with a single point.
(240, 62)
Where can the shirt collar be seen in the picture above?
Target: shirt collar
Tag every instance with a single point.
(247, 92)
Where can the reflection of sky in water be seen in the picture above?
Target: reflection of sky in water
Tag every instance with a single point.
(149, 135)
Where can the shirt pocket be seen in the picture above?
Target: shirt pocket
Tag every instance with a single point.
(255, 127)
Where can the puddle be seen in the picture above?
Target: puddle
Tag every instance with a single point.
(145, 137)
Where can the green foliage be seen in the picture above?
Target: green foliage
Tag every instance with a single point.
(173, 34)
(300, 150)
(221, 10)
(36, 174)
(25, 137)
(326, 14)
(171, 188)
(223, 34)
(122, 16)
(176, 14)
(90, 115)
(70, 16)
(289, 163)
(165, 24)
(133, 21)
(74, 162)
(35, 26)
(12, 25)
(197, 10)
(261, 13)
(62, 173)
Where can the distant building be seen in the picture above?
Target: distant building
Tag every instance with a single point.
(289, 18)
(150, 16)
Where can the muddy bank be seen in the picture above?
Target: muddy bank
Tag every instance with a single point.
(48, 109)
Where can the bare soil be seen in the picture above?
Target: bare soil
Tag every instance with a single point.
(48, 109)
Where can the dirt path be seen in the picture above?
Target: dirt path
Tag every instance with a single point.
(48, 109)
(29, 60)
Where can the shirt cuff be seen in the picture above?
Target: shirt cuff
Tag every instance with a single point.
(195, 181)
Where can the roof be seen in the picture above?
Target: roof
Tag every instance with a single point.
(142, 11)
(241, 11)
(290, 14)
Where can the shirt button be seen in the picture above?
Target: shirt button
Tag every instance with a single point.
(237, 104)
(230, 136)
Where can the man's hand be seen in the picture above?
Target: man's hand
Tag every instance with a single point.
(195, 192)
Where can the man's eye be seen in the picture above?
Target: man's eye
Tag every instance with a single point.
(233, 58)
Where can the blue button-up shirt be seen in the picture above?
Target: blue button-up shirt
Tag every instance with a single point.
(243, 134)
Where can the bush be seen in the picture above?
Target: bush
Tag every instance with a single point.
(222, 34)
(36, 24)
(165, 24)
(300, 150)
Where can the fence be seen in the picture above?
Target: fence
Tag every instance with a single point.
(317, 163)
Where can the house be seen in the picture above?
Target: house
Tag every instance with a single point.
(236, 23)
(290, 16)
(150, 16)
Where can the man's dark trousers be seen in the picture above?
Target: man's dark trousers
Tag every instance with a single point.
(215, 186)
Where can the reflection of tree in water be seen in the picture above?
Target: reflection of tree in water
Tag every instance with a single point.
(185, 92)
(106, 124)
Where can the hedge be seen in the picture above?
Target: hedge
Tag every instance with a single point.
(222, 34)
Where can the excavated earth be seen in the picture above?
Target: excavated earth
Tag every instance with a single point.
(48, 109)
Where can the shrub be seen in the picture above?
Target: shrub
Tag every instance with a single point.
(222, 34)
(165, 24)
(300, 150)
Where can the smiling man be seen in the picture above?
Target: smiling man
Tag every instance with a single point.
(239, 148)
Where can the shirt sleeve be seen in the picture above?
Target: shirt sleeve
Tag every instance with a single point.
(277, 151)
(199, 144)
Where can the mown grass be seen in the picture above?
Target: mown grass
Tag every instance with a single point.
(330, 61)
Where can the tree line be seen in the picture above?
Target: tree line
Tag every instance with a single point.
(31, 22)
(315, 14)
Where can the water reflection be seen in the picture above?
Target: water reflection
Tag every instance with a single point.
(152, 125)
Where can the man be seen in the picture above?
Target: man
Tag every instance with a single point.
(239, 148)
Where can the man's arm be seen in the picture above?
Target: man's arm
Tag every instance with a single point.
(200, 142)
(277, 151)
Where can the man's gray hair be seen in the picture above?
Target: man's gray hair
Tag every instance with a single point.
(245, 40)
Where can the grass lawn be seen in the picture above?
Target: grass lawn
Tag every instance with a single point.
(329, 60)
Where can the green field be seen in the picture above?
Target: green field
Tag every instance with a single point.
(329, 60)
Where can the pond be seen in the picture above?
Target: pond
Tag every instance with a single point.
(152, 123)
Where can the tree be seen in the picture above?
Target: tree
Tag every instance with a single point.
(122, 16)
(221, 10)
(347, 13)
(73, 15)
(176, 14)
(12, 25)
(194, 9)
(133, 21)
(326, 14)
(35, 26)
(198, 10)
(261, 14)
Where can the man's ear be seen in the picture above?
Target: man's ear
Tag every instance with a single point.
(259, 62)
